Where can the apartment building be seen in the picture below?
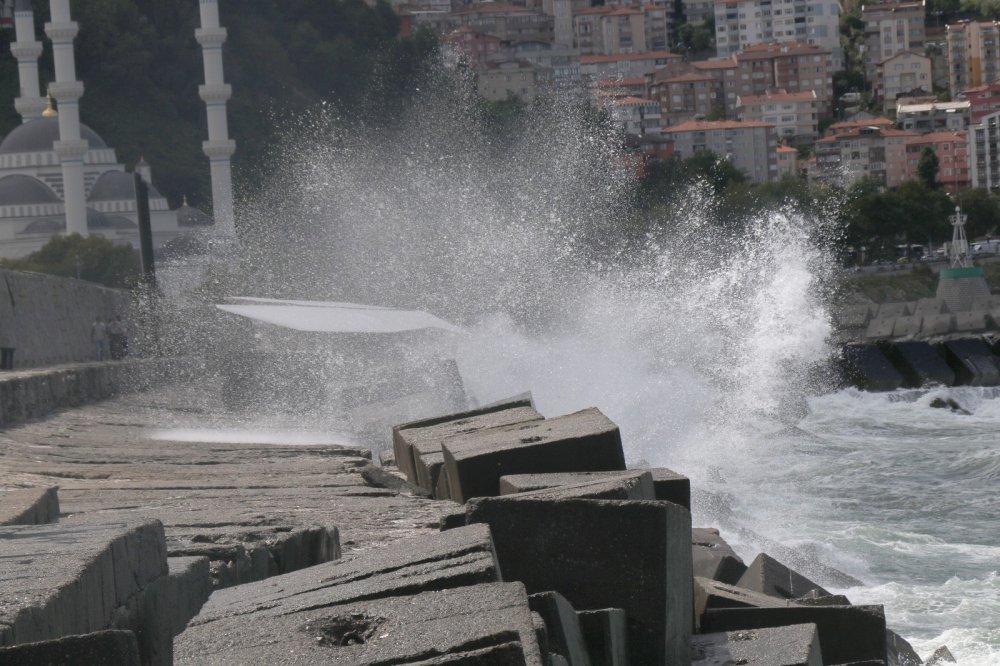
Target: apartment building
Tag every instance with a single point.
(635, 115)
(498, 81)
(973, 54)
(933, 117)
(594, 68)
(742, 23)
(892, 28)
(610, 30)
(793, 67)
(750, 147)
(787, 161)
(952, 150)
(902, 74)
(983, 100)
(863, 152)
(465, 45)
(984, 153)
(794, 115)
(509, 23)
(687, 96)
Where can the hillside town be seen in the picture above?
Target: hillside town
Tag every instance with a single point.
(778, 87)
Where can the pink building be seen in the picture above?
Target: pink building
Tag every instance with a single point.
(982, 100)
(466, 45)
(952, 150)
(872, 152)
(787, 161)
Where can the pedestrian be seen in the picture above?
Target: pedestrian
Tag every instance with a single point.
(99, 337)
(116, 338)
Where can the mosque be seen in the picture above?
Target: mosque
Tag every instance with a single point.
(58, 176)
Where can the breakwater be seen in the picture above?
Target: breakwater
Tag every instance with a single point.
(555, 553)
(892, 364)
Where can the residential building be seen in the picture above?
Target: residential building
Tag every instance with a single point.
(794, 115)
(509, 23)
(891, 28)
(609, 30)
(742, 23)
(902, 74)
(973, 54)
(793, 67)
(863, 152)
(860, 119)
(750, 147)
(635, 115)
(594, 68)
(687, 97)
(614, 88)
(984, 153)
(787, 161)
(498, 81)
(697, 12)
(563, 61)
(983, 100)
(933, 117)
(952, 150)
(465, 45)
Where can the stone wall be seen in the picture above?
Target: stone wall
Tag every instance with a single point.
(47, 319)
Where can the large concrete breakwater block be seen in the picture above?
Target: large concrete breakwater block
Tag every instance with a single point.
(112, 647)
(973, 362)
(889, 365)
(29, 506)
(633, 555)
(868, 368)
(919, 363)
(794, 645)
(586, 441)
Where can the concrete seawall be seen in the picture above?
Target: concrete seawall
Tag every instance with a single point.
(47, 319)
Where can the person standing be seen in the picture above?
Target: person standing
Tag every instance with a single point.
(116, 338)
(99, 337)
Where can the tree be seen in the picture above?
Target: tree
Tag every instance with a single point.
(982, 210)
(95, 259)
(927, 167)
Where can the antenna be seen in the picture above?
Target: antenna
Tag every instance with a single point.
(959, 251)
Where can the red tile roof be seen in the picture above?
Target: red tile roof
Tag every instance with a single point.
(625, 57)
(807, 96)
(705, 125)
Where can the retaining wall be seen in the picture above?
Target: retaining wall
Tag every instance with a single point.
(47, 319)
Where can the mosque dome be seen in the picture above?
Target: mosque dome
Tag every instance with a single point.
(37, 136)
(19, 189)
(117, 186)
(189, 216)
(95, 221)
(46, 225)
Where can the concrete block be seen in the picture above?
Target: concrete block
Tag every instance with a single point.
(973, 321)
(994, 318)
(586, 441)
(387, 458)
(906, 326)
(29, 506)
(846, 633)
(880, 328)
(919, 363)
(769, 576)
(935, 325)
(667, 484)
(564, 633)
(401, 445)
(100, 648)
(603, 554)
(793, 645)
(606, 633)
(713, 558)
(930, 306)
(627, 485)
(670, 486)
(68, 579)
(461, 556)
(709, 594)
(853, 316)
(424, 443)
(899, 652)
(893, 310)
(867, 368)
(985, 302)
(453, 624)
(972, 361)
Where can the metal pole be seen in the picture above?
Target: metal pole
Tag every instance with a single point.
(145, 230)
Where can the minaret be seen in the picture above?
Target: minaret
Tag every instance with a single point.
(27, 49)
(216, 92)
(67, 91)
(142, 168)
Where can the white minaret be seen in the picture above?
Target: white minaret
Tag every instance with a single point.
(27, 49)
(67, 91)
(216, 92)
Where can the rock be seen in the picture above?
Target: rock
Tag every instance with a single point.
(792, 645)
(919, 364)
(713, 558)
(606, 634)
(899, 652)
(378, 477)
(769, 576)
(846, 633)
(949, 403)
(462, 556)
(100, 648)
(972, 361)
(462, 625)
(29, 506)
(401, 443)
(387, 458)
(586, 441)
(867, 368)
(941, 656)
(603, 554)
(72, 579)
(564, 633)
(424, 444)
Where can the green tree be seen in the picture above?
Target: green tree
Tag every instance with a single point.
(94, 258)
(982, 210)
(927, 167)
